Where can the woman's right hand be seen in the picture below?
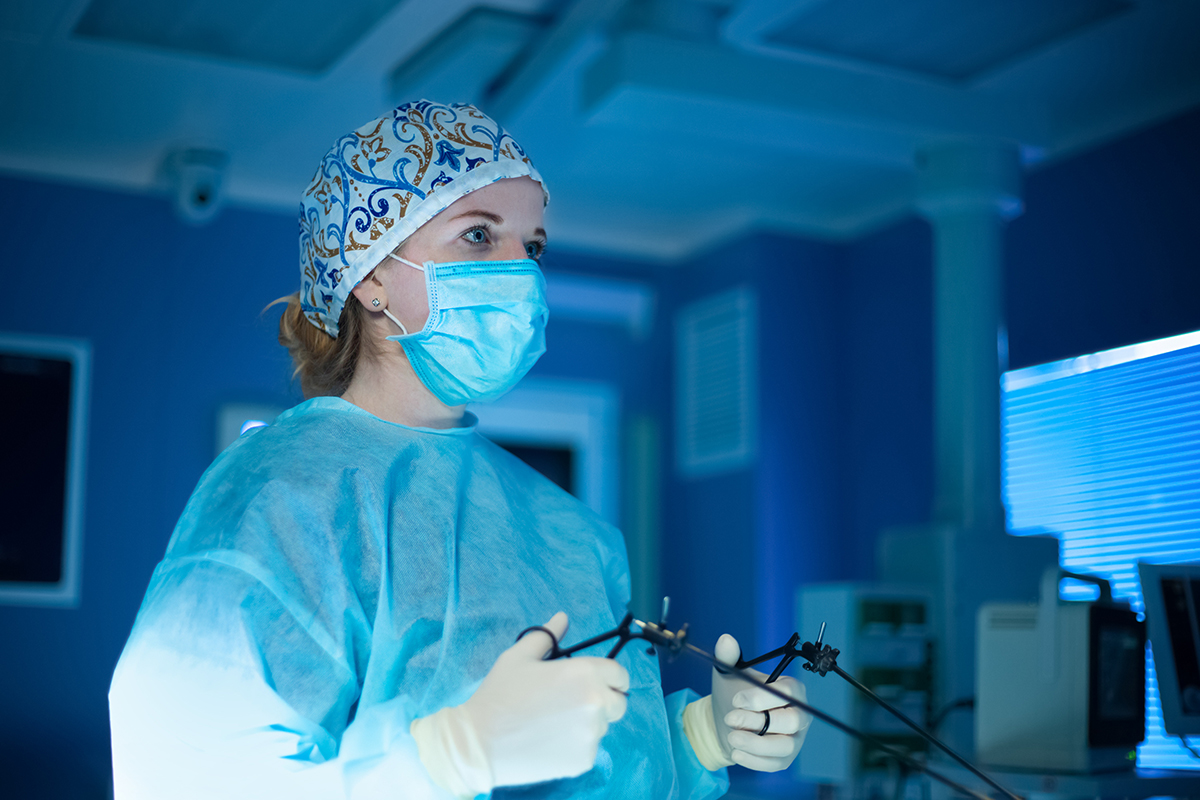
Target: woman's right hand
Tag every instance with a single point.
(529, 721)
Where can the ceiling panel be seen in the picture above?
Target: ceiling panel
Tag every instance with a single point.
(29, 22)
(301, 35)
(464, 58)
(657, 138)
(946, 39)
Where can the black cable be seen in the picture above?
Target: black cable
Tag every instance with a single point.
(1183, 741)
(940, 716)
(824, 659)
(925, 734)
(821, 715)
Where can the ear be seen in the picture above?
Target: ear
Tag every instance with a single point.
(370, 293)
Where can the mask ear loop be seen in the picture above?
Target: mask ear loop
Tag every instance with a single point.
(392, 317)
(406, 261)
(389, 314)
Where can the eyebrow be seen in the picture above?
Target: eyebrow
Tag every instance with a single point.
(488, 215)
(495, 219)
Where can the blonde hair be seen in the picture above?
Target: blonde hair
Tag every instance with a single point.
(324, 364)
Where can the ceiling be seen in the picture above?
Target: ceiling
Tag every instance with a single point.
(663, 126)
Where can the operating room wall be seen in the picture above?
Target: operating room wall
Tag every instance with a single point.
(607, 351)
(886, 450)
(736, 543)
(172, 314)
(845, 431)
(1106, 253)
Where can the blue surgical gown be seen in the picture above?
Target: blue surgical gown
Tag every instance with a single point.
(335, 576)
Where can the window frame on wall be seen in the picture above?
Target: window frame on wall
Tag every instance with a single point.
(66, 592)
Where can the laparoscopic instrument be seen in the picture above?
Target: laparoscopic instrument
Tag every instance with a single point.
(819, 658)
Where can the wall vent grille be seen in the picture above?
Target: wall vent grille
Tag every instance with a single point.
(716, 402)
(1013, 620)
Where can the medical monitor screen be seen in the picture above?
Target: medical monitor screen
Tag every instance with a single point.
(1181, 603)
(1172, 596)
(1121, 653)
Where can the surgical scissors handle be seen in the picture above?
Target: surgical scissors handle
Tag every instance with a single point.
(623, 633)
(789, 652)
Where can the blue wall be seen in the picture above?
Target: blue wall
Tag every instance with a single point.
(172, 315)
(1105, 255)
(606, 352)
(1106, 252)
(887, 378)
(736, 544)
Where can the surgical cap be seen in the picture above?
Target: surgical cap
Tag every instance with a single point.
(382, 182)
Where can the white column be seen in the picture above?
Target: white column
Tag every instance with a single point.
(968, 191)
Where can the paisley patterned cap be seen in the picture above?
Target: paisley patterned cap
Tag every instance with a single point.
(385, 180)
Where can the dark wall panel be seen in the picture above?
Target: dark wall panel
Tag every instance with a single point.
(1106, 252)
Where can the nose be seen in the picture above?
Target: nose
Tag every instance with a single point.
(512, 251)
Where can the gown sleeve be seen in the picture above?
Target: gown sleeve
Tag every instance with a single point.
(694, 781)
(277, 610)
(222, 692)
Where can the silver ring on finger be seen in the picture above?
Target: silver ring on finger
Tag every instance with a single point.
(766, 723)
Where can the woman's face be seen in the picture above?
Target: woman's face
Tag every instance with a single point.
(500, 222)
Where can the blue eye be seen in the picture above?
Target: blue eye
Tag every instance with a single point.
(535, 250)
(476, 235)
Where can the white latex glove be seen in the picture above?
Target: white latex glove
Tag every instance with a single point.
(529, 721)
(738, 707)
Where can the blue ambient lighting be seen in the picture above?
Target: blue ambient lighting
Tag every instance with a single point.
(1103, 451)
(1076, 591)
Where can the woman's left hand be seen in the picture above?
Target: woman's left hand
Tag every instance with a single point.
(764, 734)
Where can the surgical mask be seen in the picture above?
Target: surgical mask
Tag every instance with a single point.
(486, 328)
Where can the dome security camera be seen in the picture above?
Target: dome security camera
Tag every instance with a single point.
(197, 177)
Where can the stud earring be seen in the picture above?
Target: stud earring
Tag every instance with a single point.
(375, 302)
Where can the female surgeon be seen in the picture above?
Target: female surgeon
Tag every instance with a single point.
(337, 610)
